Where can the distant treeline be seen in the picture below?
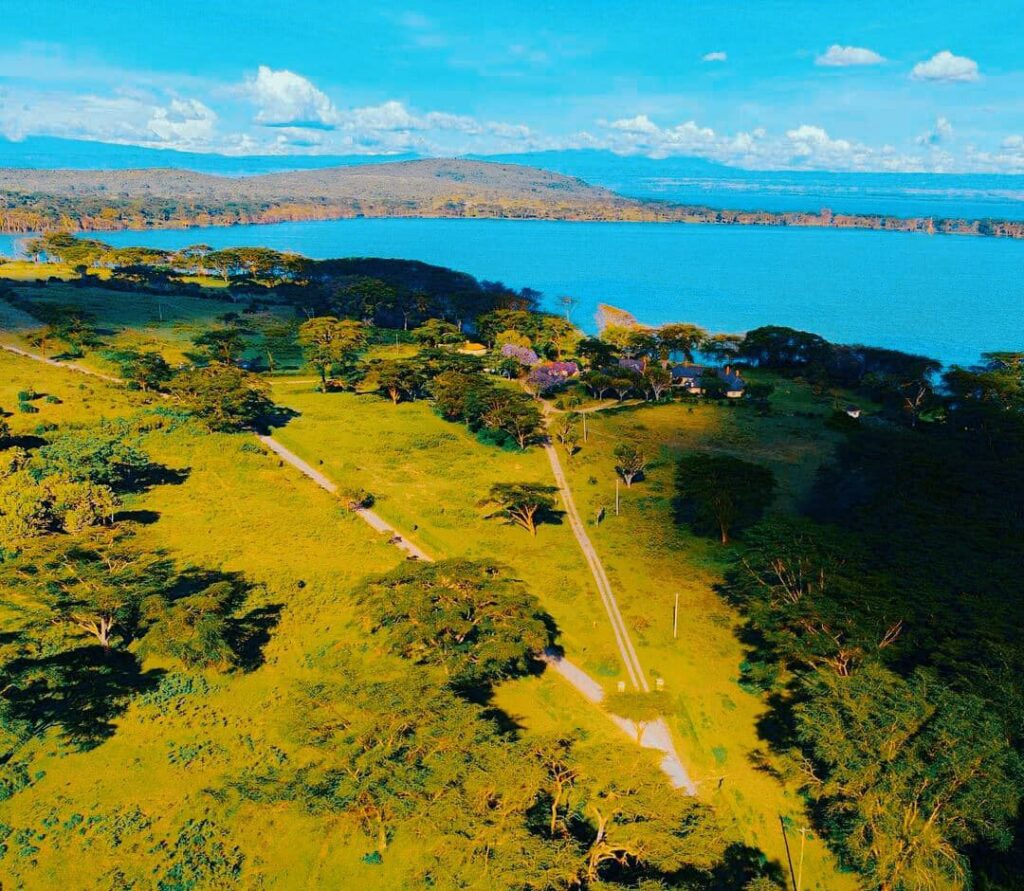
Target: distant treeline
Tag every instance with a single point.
(25, 212)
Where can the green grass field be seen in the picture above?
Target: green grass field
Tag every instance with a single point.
(109, 817)
(163, 322)
(240, 510)
(428, 475)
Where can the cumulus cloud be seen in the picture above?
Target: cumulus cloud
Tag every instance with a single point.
(286, 99)
(717, 56)
(179, 123)
(185, 123)
(941, 132)
(807, 146)
(948, 68)
(393, 116)
(837, 56)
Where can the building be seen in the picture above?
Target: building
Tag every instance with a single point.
(561, 369)
(688, 377)
(691, 379)
(734, 383)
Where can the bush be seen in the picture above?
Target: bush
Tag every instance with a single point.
(27, 395)
(356, 498)
(27, 408)
(53, 400)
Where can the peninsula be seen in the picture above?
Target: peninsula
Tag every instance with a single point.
(158, 198)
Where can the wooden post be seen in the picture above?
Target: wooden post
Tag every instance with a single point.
(675, 618)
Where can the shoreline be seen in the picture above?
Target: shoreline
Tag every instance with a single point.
(686, 215)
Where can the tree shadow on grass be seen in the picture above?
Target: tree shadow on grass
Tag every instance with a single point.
(141, 479)
(248, 635)
(25, 441)
(81, 692)
(140, 517)
(278, 416)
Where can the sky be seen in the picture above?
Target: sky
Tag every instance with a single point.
(899, 85)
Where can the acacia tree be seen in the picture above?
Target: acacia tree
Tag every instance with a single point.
(631, 462)
(146, 369)
(514, 414)
(909, 773)
(657, 380)
(438, 332)
(568, 435)
(195, 630)
(459, 396)
(327, 342)
(639, 707)
(622, 386)
(625, 819)
(95, 587)
(597, 383)
(554, 754)
(224, 345)
(521, 504)
(469, 618)
(400, 379)
(223, 396)
(680, 338)
(721, 492)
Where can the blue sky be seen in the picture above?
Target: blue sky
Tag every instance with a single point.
(864, 85)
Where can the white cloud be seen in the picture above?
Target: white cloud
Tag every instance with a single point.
(393, 116)
(284, 98)
(806, 147)
(132, 119)
(941, 132)
(837, 56)
(717, 56)
(947, 68)
(185, 123)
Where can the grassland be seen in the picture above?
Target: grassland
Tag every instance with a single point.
(124, 814)
(163, 322)
(428, 475)
(240, 510)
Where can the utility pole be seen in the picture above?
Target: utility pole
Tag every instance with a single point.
(789, 856)
(584, 425)
(800, 868)
(616, 496)
(675, 618)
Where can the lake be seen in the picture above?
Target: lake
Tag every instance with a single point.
(944, 296)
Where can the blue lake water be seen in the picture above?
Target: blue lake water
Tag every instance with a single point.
(944, 296)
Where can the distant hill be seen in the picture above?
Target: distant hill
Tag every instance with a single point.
(404, 180)
(100, 200)
(33, 200)
(50, 152)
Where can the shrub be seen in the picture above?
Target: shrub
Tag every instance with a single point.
(356, 498)
(27, 408)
